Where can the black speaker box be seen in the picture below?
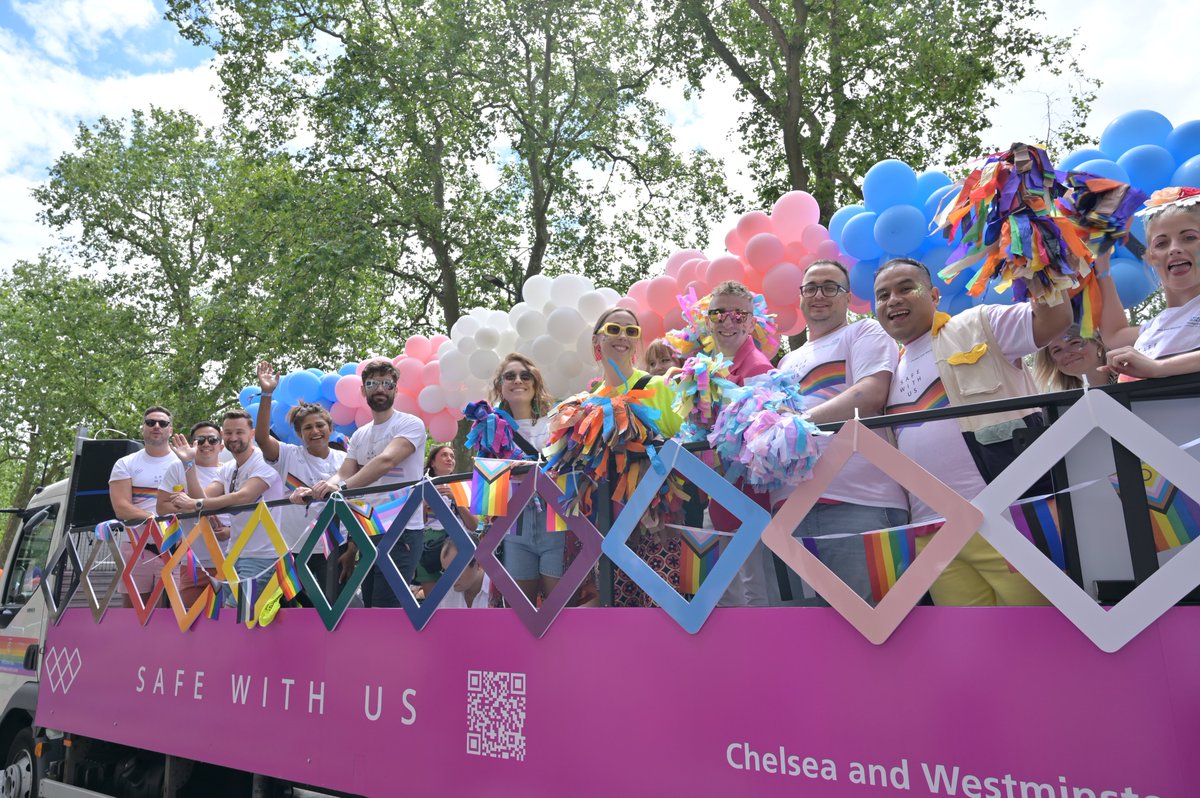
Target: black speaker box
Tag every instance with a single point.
(88, 503)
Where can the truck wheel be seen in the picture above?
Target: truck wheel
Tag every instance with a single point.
(21, 768)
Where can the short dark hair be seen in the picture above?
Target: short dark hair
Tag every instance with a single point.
(230, 415)
(202, 425)
(906, 262)
(303, 410)
(157, 409)
(380, 367)
(832, 262)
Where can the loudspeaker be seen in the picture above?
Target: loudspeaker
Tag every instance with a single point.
(88, 502)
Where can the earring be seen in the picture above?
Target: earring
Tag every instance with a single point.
(596, 352)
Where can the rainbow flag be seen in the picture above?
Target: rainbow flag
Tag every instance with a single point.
(1174, 516)
(490, 484)
(172, 534)
(554, 521)
(699, 551)
(289, 580)
(461, 492)
(143, 495)
(889, 552)
(368, 519)
(1037, 520)
(293, 482)
(388, 508)
(247, 597)
(825, 381)
(212, 603)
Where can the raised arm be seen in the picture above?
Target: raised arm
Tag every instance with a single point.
(267, 381)
(1114, 324)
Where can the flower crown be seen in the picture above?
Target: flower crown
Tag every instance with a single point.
(1173, 197)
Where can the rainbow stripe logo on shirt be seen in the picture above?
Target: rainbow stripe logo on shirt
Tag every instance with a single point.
(294, 482)
(933, 398)
(142, 495)
(826, 380)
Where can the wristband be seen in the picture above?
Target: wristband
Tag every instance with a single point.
(265, 395)
(188, 465)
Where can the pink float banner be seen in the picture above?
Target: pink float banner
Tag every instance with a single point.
(982, 703)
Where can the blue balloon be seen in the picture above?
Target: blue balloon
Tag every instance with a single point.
(348, 369)
(247, 395)
(862, 279)
(991, 297)
(316, 372)
(345, 429)
(935, 260)
(929, 182)
(1101, 168)
(958, 303)
(1072, 161)
(252, 409)
(1188, 173)
(1137, 228)
(837, 222)
(934, 201)
(889, 183)
(305, 386)
(329, 386)
(901, 228)
(1149, 167)
(1132, 129)
(279, 424)
(1184, 141)
(858, 237)
(283, 394)
(325, 403)
(1134, 282)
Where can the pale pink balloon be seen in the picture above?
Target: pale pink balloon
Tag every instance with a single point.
(362, 364)
(807, 261)
(813, 236)
(406, 403)
(418, 346)
(724, 268)
(701, 288)
(652, 326)
(410, 370)
(764, 251)
(629, 303)
(794, 251)
(687, 272)
(793, 212)
(348, 391)
(431, 373)
(435, 343)
(678, 259)
(638, 291)
(674, 319)
(753, 223)
(785, 318)
(443, 427)
(827, 249)
(734, 243)
(781, 285)
(661, 294)
(796, 328)
(341, 414)
(363, 416)
(859, 305)
(753, 280)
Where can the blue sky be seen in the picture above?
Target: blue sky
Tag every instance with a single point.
(63, 62)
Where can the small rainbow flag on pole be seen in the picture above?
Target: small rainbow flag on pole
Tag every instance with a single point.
(212, 602)
(889, 552)
(1037, 519)
(461, 491)
(490, 484)
(368, 519)
(698, 554)
(172, 533)
(1174, 516)
(388, 508)
(289, 580)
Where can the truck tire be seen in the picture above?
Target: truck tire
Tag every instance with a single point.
(20, 772)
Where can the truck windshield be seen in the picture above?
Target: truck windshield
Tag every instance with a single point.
(29, 564)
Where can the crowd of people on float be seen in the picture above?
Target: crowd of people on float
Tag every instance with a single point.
(909, 357)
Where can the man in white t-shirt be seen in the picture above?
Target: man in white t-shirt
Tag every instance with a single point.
(844, 368)
(386, 451)
(906, 305)
(133, 491)
(173, 498)
(246, 479)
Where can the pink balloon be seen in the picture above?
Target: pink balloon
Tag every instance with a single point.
(701, 288)
(793, 212)
(443, 427)
(806, 261)
(341, 414)
(431, 373)
(363, 416)
(629, 303)
(652, 326)
(406, 403)
(785, 318)
(410, 380)
(827, 249)
(734, 242)
(661, 294)
(781, 285)
(674, 319)
(813, 236)
(396, 360)
(764, 251)
(419, 347)
(859, 305)
(435, 343)
(687, 272)
(638, 291)
(753, 280)
(796, 328)
(724, 268)
(794, 251)
(349, 391)
(753, 223)
(679, 258)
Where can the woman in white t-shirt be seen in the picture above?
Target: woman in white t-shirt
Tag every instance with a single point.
(440, 462)
(532, 556)
(1168, 344)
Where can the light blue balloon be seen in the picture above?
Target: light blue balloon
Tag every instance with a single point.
(929, 182)
(247, 395)
(283, 392)
(1072, 161)
(252, 409)
(889, 183)
(1188, 173)
(346, 429)
(837, 222)
(862, 279)
(1132, 129)
(1134, 282)
(316, 372)
(901, 228)
(348, 369)
(934, 201)
(329, 386)
(990, 297)
(325, 403)
(858, 237)
(958, 303)
(1184, 141)
(279, 424)
(1101, 168)
(1149, 166)
(1137, 229)
(305, 386)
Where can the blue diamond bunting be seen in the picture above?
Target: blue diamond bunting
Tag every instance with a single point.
(424, 493)
(691, 615)
(335, 508)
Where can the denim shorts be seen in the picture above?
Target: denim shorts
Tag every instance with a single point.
(532, 551)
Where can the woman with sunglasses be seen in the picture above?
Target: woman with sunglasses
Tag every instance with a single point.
(532, 556)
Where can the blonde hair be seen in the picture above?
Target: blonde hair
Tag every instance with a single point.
(542, 401)
(658, 349)
(732, 288)
(1046, 372)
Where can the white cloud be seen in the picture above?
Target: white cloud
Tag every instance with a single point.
(64, 27)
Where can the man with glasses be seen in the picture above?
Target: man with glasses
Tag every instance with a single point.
(133, 491)
(843, 368)
(388, 450)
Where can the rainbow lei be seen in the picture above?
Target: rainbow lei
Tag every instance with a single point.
(491, 434)
(699, 388)
(696, 334)
(762, 434)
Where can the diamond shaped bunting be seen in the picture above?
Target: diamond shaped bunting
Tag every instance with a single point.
(334, 509)
(261, 517)
(99, 604)
(185, 616)
(424, 493)
(1108, 629)
(54, 573)
(537, 620)
(691, 615)
(149, 533)
(962, 520)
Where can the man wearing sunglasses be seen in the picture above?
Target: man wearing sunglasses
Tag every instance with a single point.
(388, 450)
(843, 368)
(133, 489)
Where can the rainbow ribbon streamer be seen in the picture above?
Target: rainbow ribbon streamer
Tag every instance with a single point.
(554, 521)
(490, 484)
(1037, 520)
(889, 553)
(289, 580)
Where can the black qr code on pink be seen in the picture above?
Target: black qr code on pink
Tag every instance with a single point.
(496, 714)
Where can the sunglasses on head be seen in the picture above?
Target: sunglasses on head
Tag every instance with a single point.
(738, 316)
(513, 376)
(156, 422)
(211, 440)
(614, 330)
(386, 385)
(810, 290)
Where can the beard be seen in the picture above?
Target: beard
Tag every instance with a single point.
(237, 447)
(379, 402)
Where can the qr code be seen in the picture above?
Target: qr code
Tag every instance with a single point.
(496, 714)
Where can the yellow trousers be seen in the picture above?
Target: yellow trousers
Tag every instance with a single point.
(980, 577)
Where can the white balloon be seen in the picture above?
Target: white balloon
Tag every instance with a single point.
(483, 364)
(568, 365)
(536, 291)
(481, 314)
(508, 342)
(545, 349)
(467, 345)
(445, 347)
(564, 324)
(453, 366)
(525, 347)
(432, 399)
(610, 295)
(557, 385)
(499, 320)
(566, 290)
(583, 344)
(515, 313)
(487, 337)
(464, 328)
(531, 325)
(591, 305)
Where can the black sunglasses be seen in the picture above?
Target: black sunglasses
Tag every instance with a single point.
(212, 440)
(156, 422)
(513, 376)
